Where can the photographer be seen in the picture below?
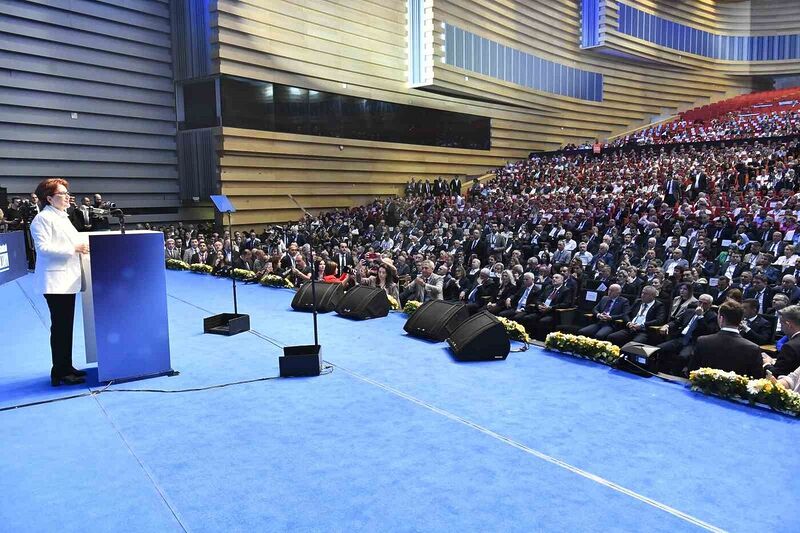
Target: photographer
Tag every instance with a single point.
(82, 215)
(99, 215)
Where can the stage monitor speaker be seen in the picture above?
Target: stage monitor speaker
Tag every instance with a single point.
(436, 320)
(364, 302)
(482, 337)
(328, 297)
(299, 361)
(640, 359)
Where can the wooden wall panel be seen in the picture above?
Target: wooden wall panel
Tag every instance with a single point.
(360, 49)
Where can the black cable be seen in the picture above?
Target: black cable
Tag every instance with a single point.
(193, 389)
(43, 402)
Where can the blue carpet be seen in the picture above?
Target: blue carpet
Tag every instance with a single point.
(347, 451)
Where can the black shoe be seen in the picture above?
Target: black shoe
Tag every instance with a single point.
(69, 379)
(79, 373)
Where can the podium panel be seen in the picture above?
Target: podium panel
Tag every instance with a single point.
(125, 305)
(13, 261)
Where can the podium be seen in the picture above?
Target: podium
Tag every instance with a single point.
(124, 298)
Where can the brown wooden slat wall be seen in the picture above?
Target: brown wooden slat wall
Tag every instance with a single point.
(327, 44)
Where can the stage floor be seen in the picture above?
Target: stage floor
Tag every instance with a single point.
(399, 437)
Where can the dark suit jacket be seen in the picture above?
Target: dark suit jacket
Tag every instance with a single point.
(727, 351)
(618, 311)
(760, 331)
(737, 271)
(767, 298)
(788, 358)
(484, 293)
(706, 325)
(562, 300)
(721, 296)
(656, 315)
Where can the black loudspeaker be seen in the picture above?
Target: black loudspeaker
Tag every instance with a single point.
(640, 359)
(328, 297)
(480, 338)
(364, 302)
(436, 319)
(300, 361)
(3, 198)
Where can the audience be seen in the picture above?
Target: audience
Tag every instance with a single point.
(669, 226)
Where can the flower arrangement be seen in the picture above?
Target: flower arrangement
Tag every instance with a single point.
(394, 305)
(733, 386)
(201, 268)
(719, 383)
(242, 274)
(515, 330)
(177, 264)
(580, 346)
(411, 307)
(272, 280)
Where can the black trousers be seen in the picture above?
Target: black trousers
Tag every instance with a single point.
(62, 317)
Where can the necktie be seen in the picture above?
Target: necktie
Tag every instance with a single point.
(553, 295)
(609, 305)
(523, 300)
(687, 332)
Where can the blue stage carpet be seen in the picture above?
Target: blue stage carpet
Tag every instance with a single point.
(399, 437)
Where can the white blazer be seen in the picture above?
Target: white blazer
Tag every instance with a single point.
(58, 266)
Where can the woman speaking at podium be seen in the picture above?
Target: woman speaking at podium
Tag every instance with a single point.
(58, 273)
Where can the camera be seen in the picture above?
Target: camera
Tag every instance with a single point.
(27, 211)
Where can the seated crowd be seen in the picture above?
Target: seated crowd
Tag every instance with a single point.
(649, 245)
(731, 126)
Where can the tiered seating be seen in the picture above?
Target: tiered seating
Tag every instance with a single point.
(763, 114)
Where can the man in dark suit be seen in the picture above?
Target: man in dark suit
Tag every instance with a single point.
(727, 350)
(455, 185)
(646, 312)
(99, 220)
(790, 289)
(610, 308)
(554, 297)
(479, 295)
(720, 294)
(287, 262)
(683, 332)
(672, 191)
(699, 184)
(761, 292)
(733, 267)
(788, 359)
(775, 246)
(474, 245)
(754, 327)
(523, 302)
(343, 258)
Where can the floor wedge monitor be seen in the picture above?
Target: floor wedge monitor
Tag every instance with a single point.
(328, 297)
(480, 338)
(436, 320)
(364, 302)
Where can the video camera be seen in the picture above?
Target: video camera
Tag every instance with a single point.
(27, 211)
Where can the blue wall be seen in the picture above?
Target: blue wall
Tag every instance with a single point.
(592, 19)
(669, 34)
(477, 54)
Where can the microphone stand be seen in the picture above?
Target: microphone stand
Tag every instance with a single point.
(314, 275)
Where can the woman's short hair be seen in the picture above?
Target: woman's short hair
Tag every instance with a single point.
(330, 268)
(48, 187)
